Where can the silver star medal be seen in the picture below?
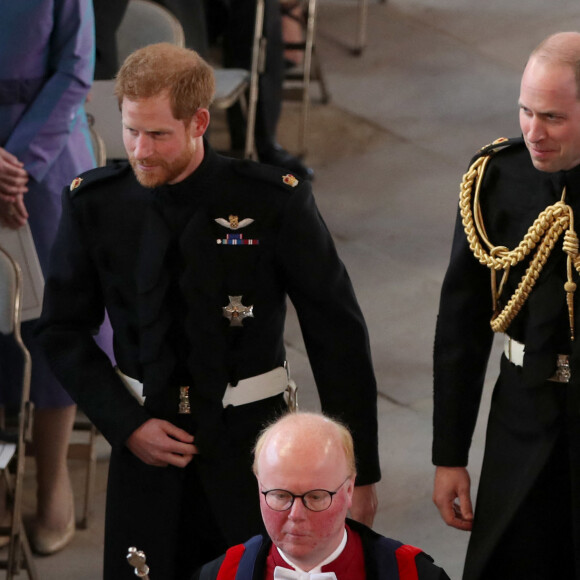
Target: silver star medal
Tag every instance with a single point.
(236, 312)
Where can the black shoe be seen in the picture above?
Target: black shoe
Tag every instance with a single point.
(278, 156)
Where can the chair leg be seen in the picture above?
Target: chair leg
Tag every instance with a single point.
(27, 558)
(308, 49)
(90, 480)
(258, 57)
(319, 77)
(361, 39)
(86, 451)
(19, 552)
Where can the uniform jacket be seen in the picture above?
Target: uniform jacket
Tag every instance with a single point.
(527, 414)
(385, 559)
(115, 250)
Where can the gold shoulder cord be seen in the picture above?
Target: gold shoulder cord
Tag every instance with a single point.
(541, 236)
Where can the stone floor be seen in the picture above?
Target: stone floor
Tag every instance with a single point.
(438, 79)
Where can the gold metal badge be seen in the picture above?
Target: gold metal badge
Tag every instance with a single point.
(290, 180)
(75, 183)
(233, 222)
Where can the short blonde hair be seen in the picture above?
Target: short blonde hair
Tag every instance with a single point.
(342, 431)
(165, 68)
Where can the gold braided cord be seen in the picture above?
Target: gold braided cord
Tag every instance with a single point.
(541, 237)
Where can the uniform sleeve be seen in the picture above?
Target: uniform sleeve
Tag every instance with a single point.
(333, 327)
(43, 130)
(463, 341)
(73, 310)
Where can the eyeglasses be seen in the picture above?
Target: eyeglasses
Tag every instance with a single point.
(316, 500)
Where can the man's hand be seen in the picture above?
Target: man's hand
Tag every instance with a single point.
(451, 495)
(13, 177)
(364, 504)
(160, 443)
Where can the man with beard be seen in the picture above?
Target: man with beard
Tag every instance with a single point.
(193, 256)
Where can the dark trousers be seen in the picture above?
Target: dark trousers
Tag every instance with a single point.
(538, 544)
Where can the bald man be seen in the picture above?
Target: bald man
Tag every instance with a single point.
(305, 469)
(518, 202)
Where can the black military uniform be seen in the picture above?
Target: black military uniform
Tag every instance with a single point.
(165, 262)
(527, 499)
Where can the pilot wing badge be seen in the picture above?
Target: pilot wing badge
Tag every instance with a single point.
(234, 223)
(234, 239)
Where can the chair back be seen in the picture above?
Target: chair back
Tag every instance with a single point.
(103, 110)
(10, 293)
(144, 23)
(99, 147)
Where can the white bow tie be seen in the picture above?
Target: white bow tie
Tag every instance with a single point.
(287, 574)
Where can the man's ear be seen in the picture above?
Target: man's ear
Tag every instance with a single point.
(199, 123)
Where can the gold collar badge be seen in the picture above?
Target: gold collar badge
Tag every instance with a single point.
(290, 180)
(75, 183)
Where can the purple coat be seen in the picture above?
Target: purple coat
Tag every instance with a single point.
(46, 71)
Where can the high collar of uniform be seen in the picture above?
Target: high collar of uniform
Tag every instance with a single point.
(570, 179)
(182, 192)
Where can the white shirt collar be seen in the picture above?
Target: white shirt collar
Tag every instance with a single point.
(317, 569)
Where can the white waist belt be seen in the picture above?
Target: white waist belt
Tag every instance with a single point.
(257, 388)
(514, 352)
(248, 390)
(134, 386)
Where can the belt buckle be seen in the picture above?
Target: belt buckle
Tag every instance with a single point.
(291, 396)
(291, 391)
(562, 374)
(184, 405)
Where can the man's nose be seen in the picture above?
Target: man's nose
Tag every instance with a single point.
(535, 130)
(143, 148)
(298, 511)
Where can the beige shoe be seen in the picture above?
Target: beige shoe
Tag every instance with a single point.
(46, 541)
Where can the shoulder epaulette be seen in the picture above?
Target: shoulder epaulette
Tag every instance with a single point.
(498, 145)
(98, 175)
(269, 173)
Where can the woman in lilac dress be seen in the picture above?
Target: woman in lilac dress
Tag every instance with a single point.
(46, 70)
